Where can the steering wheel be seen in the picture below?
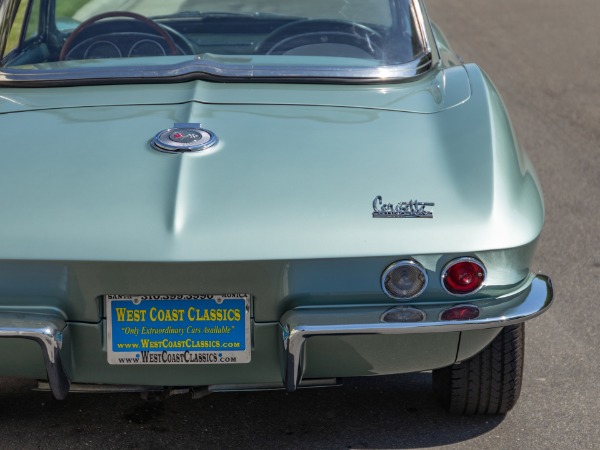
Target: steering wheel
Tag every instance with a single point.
(69, 43)
(309, 32)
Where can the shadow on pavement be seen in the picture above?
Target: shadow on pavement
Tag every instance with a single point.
(382, 412)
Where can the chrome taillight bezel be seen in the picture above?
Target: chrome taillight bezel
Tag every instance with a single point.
(402, 263)
(457, 261)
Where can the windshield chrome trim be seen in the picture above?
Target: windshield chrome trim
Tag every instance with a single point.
(420, 15)
(198, 68)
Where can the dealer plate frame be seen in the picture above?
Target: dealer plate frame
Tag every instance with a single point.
(215, 338)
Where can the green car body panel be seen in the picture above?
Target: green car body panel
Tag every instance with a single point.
(269, 194)
(281, 208)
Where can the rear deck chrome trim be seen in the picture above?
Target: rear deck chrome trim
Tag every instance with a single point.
(47, 331)
(298, 325)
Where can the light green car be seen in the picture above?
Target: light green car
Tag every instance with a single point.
(216, 195)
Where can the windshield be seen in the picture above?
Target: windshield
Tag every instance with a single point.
(246, 39)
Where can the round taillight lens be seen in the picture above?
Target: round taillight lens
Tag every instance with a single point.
(463, 276)
(404, 280)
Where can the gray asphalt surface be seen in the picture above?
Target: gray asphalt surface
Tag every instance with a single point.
(543, 56)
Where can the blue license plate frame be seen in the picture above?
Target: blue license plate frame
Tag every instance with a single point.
(178, 329)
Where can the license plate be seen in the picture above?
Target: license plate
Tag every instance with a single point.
(178, 329)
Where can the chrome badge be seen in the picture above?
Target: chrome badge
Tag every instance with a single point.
(412, 209)
(184, 138)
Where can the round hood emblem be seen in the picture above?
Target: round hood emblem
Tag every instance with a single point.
(183, 138)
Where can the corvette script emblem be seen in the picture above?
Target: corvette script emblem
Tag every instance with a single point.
(412, 209)
(184, 138)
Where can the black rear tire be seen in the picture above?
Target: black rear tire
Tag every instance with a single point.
(487, 383)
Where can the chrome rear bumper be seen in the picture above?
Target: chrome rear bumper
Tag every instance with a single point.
(300, 324)
(47, 332)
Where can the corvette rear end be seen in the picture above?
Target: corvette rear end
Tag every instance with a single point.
(281, 207)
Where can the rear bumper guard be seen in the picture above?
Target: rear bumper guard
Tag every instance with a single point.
(47, 331)
(300, 324)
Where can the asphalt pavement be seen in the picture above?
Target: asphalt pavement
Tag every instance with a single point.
(544, 57)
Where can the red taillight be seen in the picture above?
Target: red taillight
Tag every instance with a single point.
(462, 312)
(463, 276)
